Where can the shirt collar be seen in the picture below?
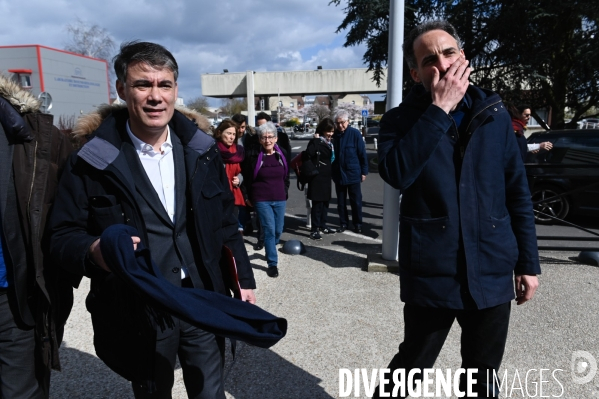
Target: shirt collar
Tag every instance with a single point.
(144, 148)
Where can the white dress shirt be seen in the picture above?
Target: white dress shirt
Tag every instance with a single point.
(160, 168)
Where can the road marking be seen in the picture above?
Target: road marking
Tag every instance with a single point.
(349, 233)
(295, 148)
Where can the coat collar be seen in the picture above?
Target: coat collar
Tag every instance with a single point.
(479, 100)
(105, 145)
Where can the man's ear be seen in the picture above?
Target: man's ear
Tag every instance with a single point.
(120, 89)
(414, 75)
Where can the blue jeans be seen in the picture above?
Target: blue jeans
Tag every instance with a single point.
(272, 219)
(242, 217)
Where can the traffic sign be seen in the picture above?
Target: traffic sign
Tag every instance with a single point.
(364, 112)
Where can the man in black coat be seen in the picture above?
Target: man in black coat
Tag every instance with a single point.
(151, 168)
(32, 153)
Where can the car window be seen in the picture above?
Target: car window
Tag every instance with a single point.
(586, 141)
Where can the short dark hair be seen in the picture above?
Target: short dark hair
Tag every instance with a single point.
(522, 107)
(263, 115)
(515, 111)
(238, 118)
(149, 53)
(325, 125)
(408, 44)
(224, 125)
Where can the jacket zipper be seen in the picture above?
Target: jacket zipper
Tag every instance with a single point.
(32, 181)
(462, 147)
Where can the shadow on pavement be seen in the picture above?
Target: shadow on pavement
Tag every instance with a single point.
(86, 376)
(261, 373)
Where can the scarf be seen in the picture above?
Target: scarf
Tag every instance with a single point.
(282, 161)
(519, 127)
(330, 144)
(210, 311)
(233, 154)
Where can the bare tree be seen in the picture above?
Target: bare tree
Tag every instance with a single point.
(90, 40)
(199, 104)
(232, 106)
(318, 111)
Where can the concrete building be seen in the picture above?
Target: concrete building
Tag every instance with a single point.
(76, 83)
(270, 85)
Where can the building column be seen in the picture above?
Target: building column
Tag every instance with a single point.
(249, 80)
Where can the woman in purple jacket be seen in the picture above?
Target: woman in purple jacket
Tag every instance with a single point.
(267, 178)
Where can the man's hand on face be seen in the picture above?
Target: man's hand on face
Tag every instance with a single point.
(448, 91)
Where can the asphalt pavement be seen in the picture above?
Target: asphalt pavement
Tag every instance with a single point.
(341, 316)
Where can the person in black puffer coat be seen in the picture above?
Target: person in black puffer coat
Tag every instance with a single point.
(320, 152)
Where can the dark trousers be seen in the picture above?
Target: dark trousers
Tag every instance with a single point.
(201, 357)
(17, 358)
(319, 214)
(354, 191)
(484, 333)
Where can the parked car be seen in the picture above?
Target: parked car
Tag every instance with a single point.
(372, 127)
(570, 170)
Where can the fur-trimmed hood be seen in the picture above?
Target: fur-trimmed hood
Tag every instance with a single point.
(23, 101)
(88, 123)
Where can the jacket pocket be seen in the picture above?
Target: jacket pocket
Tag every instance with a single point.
(498, 246)
(104, 211)
(428, 248)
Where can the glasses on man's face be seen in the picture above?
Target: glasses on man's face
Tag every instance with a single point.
(340, 123)
(267, 138)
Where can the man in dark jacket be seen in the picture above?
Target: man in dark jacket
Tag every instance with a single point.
(349, 170)
(149, 167)
(32, 152)
(467, 224)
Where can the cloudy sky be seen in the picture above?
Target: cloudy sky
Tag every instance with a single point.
(204, 36)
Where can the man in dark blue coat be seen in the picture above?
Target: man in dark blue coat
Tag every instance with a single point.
(349, 170)
(149, 167)
(467, 234)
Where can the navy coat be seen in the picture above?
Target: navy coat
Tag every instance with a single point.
(466, 223)
(350, 161)
(96, 191)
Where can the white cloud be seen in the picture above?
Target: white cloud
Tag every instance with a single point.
(204, 36)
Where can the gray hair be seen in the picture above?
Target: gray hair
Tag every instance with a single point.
(149, 53)
(341, 114)
(408, 44)
(267, 127)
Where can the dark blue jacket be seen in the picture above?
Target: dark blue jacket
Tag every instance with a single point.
(466, 223)
(350, 161)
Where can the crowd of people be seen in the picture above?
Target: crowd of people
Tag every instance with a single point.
(257, 160)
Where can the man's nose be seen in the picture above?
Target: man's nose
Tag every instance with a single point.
(443, 65)
(155, 94)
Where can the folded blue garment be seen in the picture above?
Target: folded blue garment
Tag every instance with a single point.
(210, 311)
